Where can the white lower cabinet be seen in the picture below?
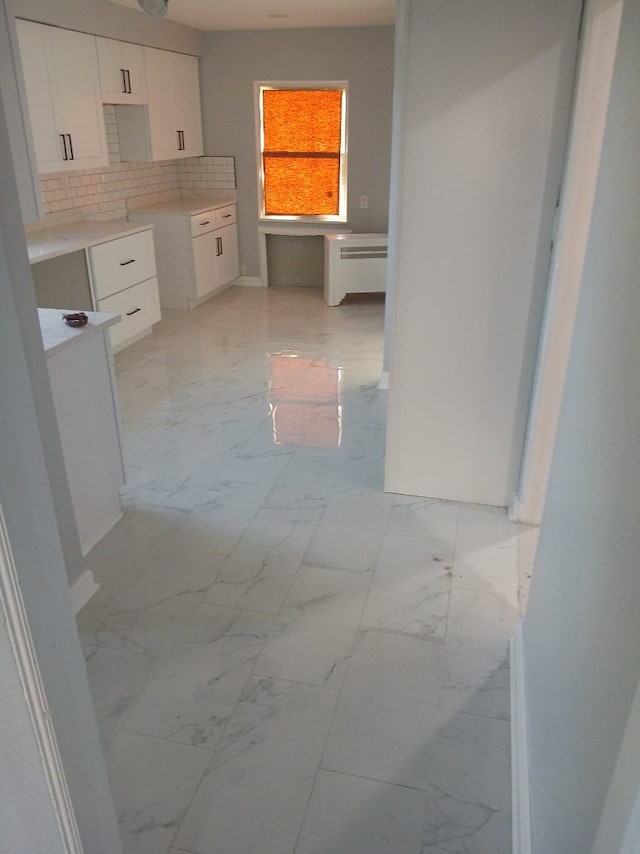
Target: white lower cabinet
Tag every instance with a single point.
(227, 261)
(204, 248)
(197, 253)
(138, 307)
(215, 259)
(123, 272)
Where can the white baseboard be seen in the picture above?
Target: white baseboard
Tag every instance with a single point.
(248, 282)
(520, 512)
(83, 589)
(87, 545)
(520, 795)
(383, 382)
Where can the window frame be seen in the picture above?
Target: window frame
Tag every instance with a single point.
(340, 85)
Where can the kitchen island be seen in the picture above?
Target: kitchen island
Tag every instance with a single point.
(85, 400)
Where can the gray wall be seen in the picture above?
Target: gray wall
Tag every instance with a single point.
(582, 632)
(112, 21)
(486, 114)
(364, 57)
(30, 455)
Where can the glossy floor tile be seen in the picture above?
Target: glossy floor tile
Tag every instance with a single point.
(283, 658)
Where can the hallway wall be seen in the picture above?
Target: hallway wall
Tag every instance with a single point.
(488, 94)
(581, 632)
(31, 468)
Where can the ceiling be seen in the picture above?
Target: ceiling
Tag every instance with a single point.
(276, 14)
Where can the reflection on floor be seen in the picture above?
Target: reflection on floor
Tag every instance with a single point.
(283, 658)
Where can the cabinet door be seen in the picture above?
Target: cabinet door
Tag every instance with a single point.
(227, 254)
(77, 99)
(122, 72)
(38, 74)
(205, 269)
(163, 131)
(186, 99)
(61, 79)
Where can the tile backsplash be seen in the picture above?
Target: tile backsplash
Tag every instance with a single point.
(101, 194)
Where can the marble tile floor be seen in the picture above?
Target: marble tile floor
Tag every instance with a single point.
(283, 658)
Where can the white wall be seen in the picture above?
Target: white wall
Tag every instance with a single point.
(488, 93)
(582, 632)
(362, 56)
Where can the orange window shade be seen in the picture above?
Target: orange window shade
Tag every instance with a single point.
(301, 186)
(302, 136)
(302, 120)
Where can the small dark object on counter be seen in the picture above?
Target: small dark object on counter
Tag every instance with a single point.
(77, 319)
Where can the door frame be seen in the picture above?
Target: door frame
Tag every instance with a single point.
(599, 42)
(12, 607)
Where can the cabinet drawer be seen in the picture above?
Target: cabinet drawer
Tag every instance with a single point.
(139, 308)
(203, 223)
(215, 218)
(118, 264)
(225, 216)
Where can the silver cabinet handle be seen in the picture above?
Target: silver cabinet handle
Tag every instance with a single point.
(123, 74)
(65, 155)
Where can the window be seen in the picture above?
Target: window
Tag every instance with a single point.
(303, 151)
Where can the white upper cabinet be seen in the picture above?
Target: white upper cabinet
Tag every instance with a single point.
(186, 98)
(171, 125)
(163, 130)
(63, 93)
(122, 72)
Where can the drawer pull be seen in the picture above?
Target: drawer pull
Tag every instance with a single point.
(135, 311)
(226, 216)
(130, 261)
(206, 222)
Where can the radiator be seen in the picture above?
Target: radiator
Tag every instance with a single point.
(354, 264)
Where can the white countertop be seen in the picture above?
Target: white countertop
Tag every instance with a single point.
(347, 235)
(73, 236)
(186, 207)
(56, 335)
